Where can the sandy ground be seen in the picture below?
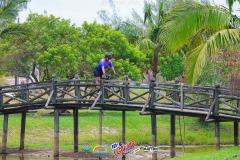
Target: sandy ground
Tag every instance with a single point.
(70, 155)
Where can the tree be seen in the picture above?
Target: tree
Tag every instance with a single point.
(57, 47)
(53, 46)
(203, 30)
(98, 39)
(145, 32)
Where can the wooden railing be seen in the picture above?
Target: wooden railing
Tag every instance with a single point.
(175, 97)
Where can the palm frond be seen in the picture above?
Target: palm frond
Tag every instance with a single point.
(188, 19)
(14, 29)
(146, 44)
(196, 59)
(137, 19)
(9, 10)
(148, 13)
(230, 4)
(131, 31)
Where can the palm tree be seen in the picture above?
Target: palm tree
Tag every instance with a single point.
(230, 4)
(145, 32)
(8, 12)
(202, 29)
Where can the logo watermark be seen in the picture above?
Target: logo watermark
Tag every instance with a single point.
(150, 149)
(121, 149)
(97, 150)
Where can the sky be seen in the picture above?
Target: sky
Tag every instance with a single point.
(86, 10)
(79, 10)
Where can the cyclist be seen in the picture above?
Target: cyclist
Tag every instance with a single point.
(99, 72)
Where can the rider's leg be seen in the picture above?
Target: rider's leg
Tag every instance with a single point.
(97, 76)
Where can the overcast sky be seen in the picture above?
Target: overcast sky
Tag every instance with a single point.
(79, 10)
(86, 10)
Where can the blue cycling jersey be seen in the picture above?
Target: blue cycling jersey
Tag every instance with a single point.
(105, 63)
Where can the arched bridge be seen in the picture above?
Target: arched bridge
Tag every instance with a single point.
(215, 104)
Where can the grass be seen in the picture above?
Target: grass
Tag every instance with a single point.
(40, 132)
(223, 154)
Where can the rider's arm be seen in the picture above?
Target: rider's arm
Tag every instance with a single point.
(103, 70)
(113, 69)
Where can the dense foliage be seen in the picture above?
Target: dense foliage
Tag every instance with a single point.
(203, 31)
(55, 46)
(221, 68)
(171, 67)
(99, 39)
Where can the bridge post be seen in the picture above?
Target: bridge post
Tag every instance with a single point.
(22, 135)
(1, 98)
(173, 123)
(56, 133)
(216, 94)
(236, 128)
(25, 96)
(56, 118)
(75, 114)
(102, 99)
(54, 89)
(236, 133)
(77, 88)
(217, 135)
(172, 136)
(75, 119)
(4, 136)
(126, 98)
(215, 112)
(153, 118)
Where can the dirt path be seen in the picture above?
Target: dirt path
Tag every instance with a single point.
(81, 155)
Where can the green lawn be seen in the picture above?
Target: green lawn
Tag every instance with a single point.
(40, 130)
(222, 154)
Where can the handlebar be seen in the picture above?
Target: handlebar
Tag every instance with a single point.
(108, 76)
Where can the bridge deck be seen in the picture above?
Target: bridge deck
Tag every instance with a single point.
(213, 103)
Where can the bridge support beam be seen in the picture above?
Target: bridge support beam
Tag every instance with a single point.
(236, 133)
(75, 119)
(124, 127)
(4, 136)
(56, 133)
(23, 126)
(100, 126)
(172, 137)
(217, 135)
(154, 134)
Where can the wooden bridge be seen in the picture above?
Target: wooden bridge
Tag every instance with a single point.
(214, 104)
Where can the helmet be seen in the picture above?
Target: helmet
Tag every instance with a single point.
(108, 55)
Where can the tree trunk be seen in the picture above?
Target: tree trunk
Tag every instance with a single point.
(155, 61)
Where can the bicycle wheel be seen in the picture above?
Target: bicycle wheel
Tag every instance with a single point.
(90, 92)
(114, 93)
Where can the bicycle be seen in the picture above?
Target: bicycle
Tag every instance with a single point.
(91, 91)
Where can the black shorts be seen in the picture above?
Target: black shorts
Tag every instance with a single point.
(97, 73)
